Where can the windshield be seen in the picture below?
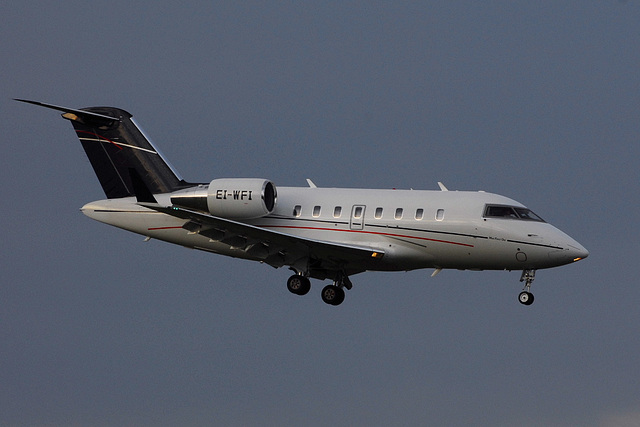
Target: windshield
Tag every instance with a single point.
(510, 212)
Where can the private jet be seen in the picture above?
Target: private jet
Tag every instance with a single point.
(319, 233)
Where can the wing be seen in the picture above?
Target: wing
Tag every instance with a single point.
(321, 259)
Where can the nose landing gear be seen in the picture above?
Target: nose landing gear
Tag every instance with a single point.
(526, 297)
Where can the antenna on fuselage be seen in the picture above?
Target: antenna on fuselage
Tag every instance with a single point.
(442, 187)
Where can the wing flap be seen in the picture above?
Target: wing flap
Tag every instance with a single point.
(273, 247)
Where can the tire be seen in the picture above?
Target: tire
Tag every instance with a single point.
(298, 284)
(332, 295)
(525, 298)
(339, 297)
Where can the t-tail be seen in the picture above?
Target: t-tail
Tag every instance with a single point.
(125, 161)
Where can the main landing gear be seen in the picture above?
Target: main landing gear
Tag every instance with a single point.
(300, 284)
(526, 297)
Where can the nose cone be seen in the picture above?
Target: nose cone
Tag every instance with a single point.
(577, 251)
(569, 251)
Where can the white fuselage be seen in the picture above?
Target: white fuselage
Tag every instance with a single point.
(413, 228)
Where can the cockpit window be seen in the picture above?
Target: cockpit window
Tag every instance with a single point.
(525, 213)
(510, 212)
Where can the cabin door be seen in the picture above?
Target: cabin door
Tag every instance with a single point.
(357, 217)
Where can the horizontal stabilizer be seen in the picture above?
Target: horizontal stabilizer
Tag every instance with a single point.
(73, 114)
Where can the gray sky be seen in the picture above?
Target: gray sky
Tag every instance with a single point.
(537, 101)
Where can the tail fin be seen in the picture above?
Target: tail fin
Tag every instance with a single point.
(118, 150)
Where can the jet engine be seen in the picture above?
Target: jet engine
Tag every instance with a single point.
(232, 198)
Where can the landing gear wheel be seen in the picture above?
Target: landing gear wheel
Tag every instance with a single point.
(298, 284)
(525, 298)
(332, 295)
(527, 277)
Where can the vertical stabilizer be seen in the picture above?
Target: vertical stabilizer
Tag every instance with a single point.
(118, 149)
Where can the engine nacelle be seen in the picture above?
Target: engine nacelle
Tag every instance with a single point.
(241, 198)
(233, 198)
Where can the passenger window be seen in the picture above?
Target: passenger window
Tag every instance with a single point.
(398, 214)
(440, 215)
(316, 211)
(357, 213)
(337, 211)
(297, 211)
(378, 213)
(419, 214)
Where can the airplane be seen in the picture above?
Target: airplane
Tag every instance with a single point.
(319, 233)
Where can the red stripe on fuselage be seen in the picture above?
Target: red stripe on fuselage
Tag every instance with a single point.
(344, 231)
(368, 232)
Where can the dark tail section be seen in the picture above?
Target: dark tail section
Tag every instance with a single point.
(119, 152)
